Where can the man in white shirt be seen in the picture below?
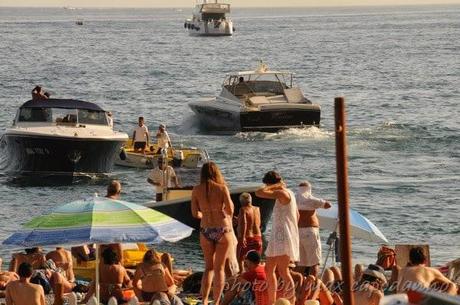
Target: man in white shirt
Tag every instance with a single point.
(310, 243)
(140, 136)
(164, 142)
(160, 176)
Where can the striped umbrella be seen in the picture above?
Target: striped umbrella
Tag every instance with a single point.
(99, 220)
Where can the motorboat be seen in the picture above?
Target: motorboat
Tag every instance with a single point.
(178, 204)
(259, 100)
(185, 157)
(210, 19)
(62, 137)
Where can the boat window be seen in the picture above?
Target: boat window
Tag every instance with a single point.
(61, 115)
(92, 117)
(34, 115)
(212, 16)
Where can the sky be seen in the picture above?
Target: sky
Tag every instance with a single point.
(237, 3)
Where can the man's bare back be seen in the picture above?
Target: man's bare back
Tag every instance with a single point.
(367, 295)
(249, 216)
(420, 276)
(22, 292)
(63, 259)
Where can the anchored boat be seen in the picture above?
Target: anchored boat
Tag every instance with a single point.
(259, 100)
(186, 157)
(210, 19)
(61, 137)
(178, 202)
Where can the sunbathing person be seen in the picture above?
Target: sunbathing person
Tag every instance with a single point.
(84, 253)
(63, 260)
(249, 234)
(5, 278)
(21, 292)
(314, 289)
(33, 256)
(417, 276)
(153, 281)
(113, 278)
(369, 290)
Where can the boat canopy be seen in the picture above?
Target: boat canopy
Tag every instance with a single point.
(61, 103)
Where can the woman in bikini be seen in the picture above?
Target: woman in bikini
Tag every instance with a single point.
(283, 243)
(211, 203)
(152, 280)
(113, 278)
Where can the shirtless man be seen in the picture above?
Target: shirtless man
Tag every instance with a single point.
(417, 276)
(22, 292)
(114, 192)
(63, 259)
(38, 94)
(310, 243)
(249, 235)
(369, 290)
(33, 256)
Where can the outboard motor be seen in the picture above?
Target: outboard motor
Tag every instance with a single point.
(178, 158)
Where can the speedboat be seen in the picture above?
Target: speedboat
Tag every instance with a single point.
(259, 100)
(62, 137)
(178, 204)
(185, 157)
(210, 19)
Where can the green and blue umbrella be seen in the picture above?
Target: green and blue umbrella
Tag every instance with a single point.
(99, 220)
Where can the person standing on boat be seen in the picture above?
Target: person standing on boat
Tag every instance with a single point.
(283, 243)
(163, 140)
(310, 242)
(213, 206)
(38, 94)
(140, 136)
(162, 176)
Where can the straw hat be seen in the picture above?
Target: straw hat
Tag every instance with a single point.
(311, 302)
(282, 301)
(376, 271)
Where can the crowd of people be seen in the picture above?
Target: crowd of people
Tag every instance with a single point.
(232, 246)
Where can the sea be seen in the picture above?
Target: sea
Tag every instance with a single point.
(397, 67)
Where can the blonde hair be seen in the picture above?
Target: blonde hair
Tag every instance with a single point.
(245, 198)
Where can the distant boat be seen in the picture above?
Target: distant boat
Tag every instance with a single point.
(79, 22)
(210, 19)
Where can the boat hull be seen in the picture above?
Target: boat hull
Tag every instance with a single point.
(180, 209)
(269, 120)
(48, 155)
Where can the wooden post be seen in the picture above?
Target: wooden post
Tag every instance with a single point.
(342, 195)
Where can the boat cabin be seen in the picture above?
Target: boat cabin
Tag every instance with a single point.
(253, 83)
(61, 112)
(211, 11)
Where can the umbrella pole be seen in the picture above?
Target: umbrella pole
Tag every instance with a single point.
(342, 195)
(96, 285)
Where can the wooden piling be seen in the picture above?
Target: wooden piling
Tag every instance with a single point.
(343, 198)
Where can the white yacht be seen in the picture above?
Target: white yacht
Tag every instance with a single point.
(62, 137)
(259, 100)
(210, 19)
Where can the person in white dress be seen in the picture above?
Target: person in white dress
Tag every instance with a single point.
(163, 140)
(283, 243)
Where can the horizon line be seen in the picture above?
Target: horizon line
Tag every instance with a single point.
(234, 6)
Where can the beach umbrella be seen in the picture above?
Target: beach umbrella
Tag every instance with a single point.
(361, 227)
(99, 220)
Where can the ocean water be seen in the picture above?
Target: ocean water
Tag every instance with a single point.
(397, 67)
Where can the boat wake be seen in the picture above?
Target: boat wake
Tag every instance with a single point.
(291, 133)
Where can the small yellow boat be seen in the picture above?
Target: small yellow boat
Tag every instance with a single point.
(131, 257)
(187, 157)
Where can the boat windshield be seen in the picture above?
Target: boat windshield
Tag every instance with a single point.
(258, 83)
(62, 116)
